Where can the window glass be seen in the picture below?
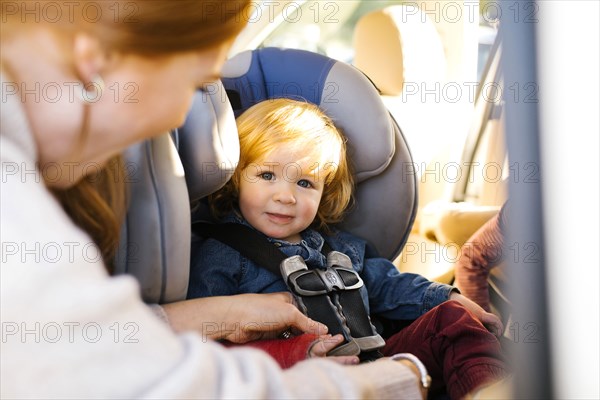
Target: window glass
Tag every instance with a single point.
(327, 28)
(323, 27)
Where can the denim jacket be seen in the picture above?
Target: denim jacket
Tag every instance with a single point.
(219, 270)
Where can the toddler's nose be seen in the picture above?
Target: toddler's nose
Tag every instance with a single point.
(284, 195)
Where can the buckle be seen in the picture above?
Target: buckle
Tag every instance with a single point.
(293, 269)
(351, 348)
(338, 276)
(342, 264)
(340, 259)
(291, 265)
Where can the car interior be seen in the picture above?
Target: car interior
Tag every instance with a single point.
(402, 207)
(388, 45)
(430, 171)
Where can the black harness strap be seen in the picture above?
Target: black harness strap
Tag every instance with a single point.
(248, 242)
(342, 311)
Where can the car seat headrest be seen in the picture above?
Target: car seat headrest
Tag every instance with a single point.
(385, 200)
(346, 96)
(398, 44)
(207, 143)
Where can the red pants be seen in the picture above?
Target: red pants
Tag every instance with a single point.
(459, 352)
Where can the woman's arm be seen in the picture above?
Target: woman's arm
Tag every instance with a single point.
(241, 318)
(87, 335)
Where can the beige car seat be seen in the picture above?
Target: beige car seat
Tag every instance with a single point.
(400, 50)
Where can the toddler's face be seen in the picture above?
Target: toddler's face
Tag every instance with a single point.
(280, 195)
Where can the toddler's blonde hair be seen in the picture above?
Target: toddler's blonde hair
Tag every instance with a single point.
(301, 127)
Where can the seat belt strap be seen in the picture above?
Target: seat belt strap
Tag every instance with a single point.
(248, 242)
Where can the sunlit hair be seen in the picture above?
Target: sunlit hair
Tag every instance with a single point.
(143, 27)
(300, 127)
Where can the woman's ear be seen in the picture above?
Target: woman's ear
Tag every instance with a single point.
(88, 56)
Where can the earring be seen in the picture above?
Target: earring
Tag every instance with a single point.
(92, 91)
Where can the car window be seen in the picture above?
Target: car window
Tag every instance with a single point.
(322, 27)
(327, 28)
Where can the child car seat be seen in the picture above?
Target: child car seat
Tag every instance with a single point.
(386, 190)
(170, 175)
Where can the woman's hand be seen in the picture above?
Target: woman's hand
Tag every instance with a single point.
(489, 320)
(241, 318)
(324, 344)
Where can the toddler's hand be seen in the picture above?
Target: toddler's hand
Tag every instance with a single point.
(325, 344)
(489, 320)
(492, 323)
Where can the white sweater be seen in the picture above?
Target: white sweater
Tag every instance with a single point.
(71, 331)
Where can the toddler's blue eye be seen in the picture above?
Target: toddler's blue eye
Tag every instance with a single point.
(304, 183)
(267, 176)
